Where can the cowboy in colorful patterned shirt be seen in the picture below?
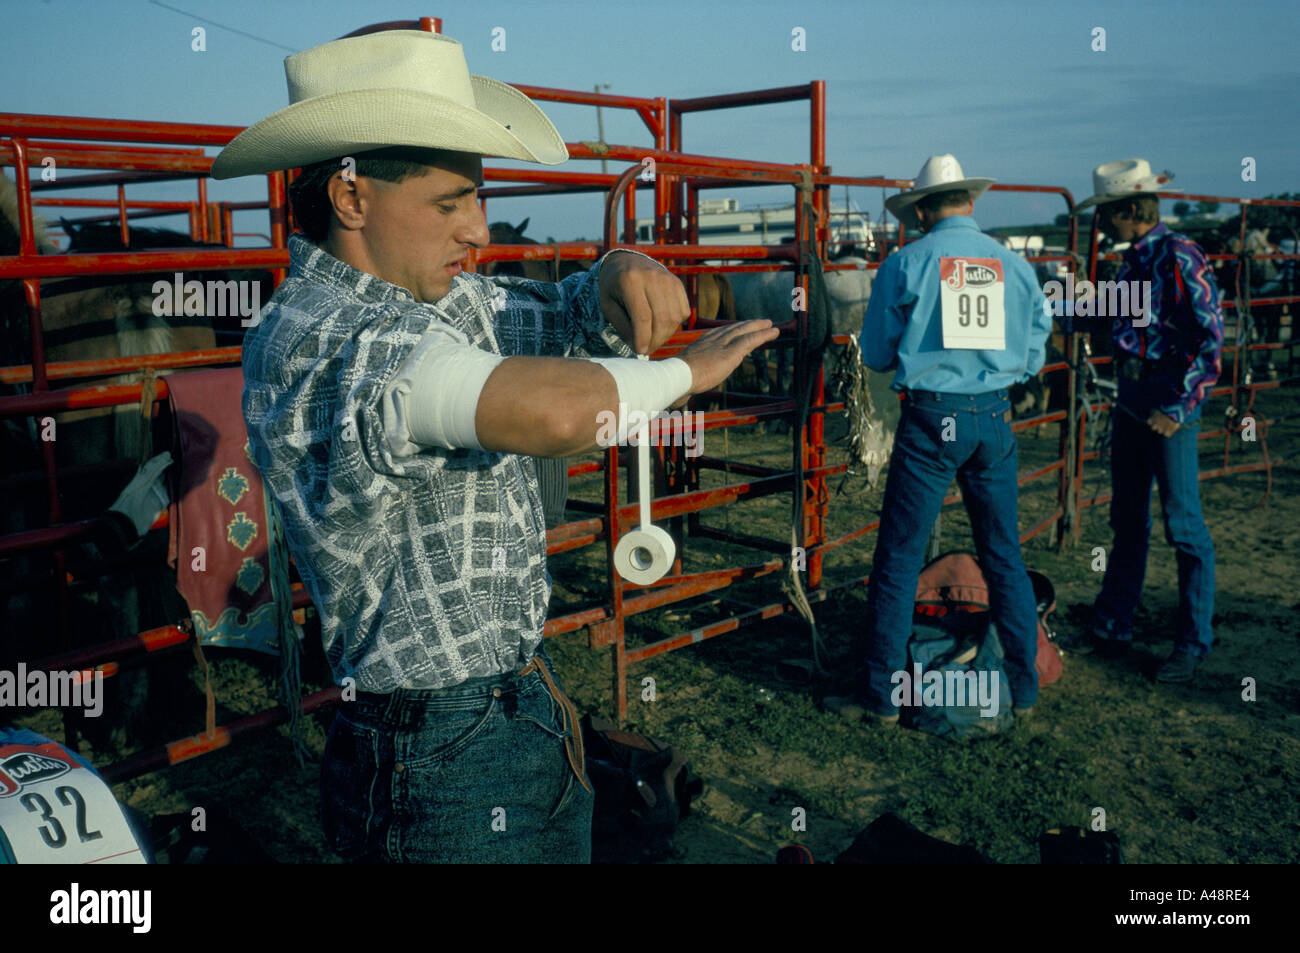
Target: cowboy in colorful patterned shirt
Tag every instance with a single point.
(393, 401)
(1166, 362)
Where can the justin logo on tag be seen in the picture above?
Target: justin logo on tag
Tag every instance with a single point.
(977, 274)
(28, 767)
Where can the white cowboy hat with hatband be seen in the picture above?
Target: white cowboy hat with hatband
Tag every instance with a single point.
(394, 88)
(939, 174)
(1123, 179)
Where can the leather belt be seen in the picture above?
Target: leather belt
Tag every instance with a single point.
(573, 746)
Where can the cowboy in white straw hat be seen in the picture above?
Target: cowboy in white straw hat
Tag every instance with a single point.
(392, 400)
(960, 319)
(1124, 179)
(939, 174)
(1166, 362)
(396, 88)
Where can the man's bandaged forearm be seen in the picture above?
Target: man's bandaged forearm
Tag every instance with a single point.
(437, 402)
(648, 386)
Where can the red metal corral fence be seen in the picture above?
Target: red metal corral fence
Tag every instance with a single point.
(135, 154)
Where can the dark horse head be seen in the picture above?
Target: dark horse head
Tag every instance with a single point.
(86, 237)
(503, 233)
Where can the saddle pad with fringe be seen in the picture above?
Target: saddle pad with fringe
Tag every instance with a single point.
(221, 536)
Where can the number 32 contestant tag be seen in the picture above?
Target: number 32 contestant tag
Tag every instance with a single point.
(54, 809)
(971, 291)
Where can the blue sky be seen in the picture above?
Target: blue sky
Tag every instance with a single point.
(1014, 90)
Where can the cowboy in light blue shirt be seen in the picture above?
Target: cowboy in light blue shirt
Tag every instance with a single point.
(903, 327)
(961, 319)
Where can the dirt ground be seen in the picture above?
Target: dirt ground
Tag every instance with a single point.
(1188, 774)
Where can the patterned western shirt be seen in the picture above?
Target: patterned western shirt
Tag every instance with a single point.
(1186, 324)
(427, 567)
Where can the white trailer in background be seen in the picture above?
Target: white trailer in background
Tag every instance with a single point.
(724, 222)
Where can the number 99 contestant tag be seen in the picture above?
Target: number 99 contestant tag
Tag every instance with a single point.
(972, 294)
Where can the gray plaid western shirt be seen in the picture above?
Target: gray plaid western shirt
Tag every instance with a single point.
(427, 568)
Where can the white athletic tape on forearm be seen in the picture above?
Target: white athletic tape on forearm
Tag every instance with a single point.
(648, 386)
(446, 384)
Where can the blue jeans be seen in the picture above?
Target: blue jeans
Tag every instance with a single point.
(1140, 456)
(981, 454)
(477, 773)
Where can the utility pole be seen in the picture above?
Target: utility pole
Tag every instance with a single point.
(600, 127)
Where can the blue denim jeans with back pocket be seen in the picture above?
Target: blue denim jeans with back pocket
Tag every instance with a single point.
(941, 436)
(476, 773)
(1139, 457)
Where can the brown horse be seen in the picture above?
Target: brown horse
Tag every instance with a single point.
(503, 233)
(716, 299)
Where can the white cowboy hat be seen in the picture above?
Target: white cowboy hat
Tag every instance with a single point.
(939, 174)
(1122, 179)
(395, 88)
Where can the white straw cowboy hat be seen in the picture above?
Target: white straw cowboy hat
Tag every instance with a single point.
(939, 174)
(1122, 179)
(394, 88)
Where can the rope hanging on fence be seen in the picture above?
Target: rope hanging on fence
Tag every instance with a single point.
(148, 395)
(210, 705)
(809, 351)
(1234, 414)
(1245, 319)
(1089, 382)
(792, 586)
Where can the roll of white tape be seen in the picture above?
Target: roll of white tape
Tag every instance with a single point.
(644, 555)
